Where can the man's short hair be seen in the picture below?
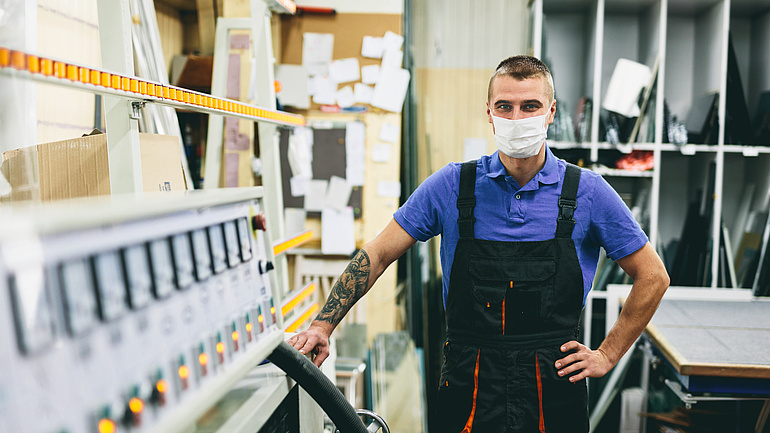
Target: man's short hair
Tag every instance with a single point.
(522, 67)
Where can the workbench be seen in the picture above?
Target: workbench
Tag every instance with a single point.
(718, 350)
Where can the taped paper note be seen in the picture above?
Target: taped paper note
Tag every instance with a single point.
(390, 91)
(337, 234)
(317, 52)
(372, 47)
(344, 70)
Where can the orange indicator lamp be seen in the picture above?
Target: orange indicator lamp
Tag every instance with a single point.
(106, 425)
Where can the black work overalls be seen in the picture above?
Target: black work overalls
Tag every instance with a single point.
(510, 307)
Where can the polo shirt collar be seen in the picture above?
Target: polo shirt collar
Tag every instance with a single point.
(548, 175)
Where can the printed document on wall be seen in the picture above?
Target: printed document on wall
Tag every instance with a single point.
(317, 52)
(390, 91)
(337, 234)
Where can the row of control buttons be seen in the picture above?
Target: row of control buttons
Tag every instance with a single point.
(108, 284)
(189, 368)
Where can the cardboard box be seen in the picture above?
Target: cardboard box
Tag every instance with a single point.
(79, 167)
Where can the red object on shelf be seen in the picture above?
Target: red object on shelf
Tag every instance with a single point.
(637, 160)
(316, 10)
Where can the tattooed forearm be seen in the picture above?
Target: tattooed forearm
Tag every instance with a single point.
(350, 287)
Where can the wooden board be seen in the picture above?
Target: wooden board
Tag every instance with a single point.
(714, 338)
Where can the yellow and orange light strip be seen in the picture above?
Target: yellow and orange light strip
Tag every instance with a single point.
(301, 296)
(18, 64)
(296, 241)
(303, 318)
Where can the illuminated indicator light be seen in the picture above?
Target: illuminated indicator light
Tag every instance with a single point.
(164, 92)
(248, 327)
(125, 83)
(151, 89)
(197, 99)
(220, 347)
(136, 405)
(291, 243)
(115, 82)
(33, 64)
(106, 425)
(235, 340)
(72, 72)
(161, 386)
(18, 60)
(106, 78)
(184, 372)
(143, 87)
(59, 69)
(46, 66)
(172, 93)
(188, 98)
(95, 77)
(5, 57)
(84, 75)
(203, 359)
(133, 85)
(272, 310)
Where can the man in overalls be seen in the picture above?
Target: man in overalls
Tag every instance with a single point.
(520, 237)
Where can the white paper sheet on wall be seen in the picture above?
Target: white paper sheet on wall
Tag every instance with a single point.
(372, 47)
(325, 90)
(344, 70)
(363, 93)
(345, 97)
(338, 193)
(299, 185)
(316, 194)
(389, 132)
(355, 153)
(381, 152)
(390, 91)
(392, 59)
(369, 74)
(337, 233)
(317, 52)
(392, 41)
(389, 189)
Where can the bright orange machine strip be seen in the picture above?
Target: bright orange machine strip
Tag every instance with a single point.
(306, 315)
(307, 291)
(134, 86)
(293, 242)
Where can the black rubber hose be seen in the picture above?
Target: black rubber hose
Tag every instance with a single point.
(323, 391)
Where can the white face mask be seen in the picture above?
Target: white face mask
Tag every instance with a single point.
(521, 138)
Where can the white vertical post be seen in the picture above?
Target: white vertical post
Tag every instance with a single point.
(597, 91)
(659, 102)
(122, 132)
(268, 134)
(537, 29)
(716, 231)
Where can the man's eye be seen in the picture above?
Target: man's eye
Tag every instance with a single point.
(531, 107)
(503, 107)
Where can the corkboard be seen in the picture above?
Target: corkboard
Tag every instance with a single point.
(348, 30)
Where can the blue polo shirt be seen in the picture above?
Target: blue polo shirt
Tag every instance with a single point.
(506, 211)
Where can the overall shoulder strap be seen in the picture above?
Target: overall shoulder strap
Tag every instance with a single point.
(466, 199)
(568, 202)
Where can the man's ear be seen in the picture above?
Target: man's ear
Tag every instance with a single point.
(551, 113)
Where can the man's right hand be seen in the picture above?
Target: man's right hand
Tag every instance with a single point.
(315, 339)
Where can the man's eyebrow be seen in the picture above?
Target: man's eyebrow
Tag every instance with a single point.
(527, 101)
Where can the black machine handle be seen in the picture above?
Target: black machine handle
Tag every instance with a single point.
(323, 391)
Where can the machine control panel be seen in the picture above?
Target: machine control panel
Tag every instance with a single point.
(133, 320)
